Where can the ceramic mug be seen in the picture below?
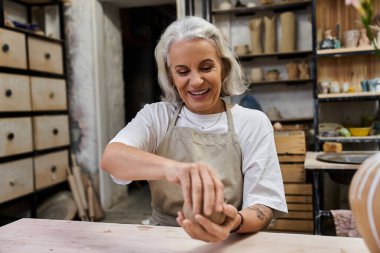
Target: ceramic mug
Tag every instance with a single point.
(364, 84)
(351, 38)
(241, 49)
(256, 74)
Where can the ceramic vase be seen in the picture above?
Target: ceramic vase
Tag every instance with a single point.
(270, 35)
(292, 70)
(255, 27)
(364, 198)
(256, 74)
(288, 32)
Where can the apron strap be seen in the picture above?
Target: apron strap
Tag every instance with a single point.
(230, 121)
(228, 106)
(173, 121)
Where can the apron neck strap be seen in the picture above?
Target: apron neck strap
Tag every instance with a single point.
(228, 112)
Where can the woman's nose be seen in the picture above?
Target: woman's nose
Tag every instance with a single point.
(196, 79)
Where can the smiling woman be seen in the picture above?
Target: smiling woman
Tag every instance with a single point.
(198, 152)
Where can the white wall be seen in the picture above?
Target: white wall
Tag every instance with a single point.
(96, 85)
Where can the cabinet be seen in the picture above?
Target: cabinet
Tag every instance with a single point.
(286, 98)
(351, 65)
(34, 122)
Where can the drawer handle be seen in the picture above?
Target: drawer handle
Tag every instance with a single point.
(53, 169)
(11, 136)
(47, 56)
(55, 131)
(8, 93)
(5, 48)
(12, 183)
(51, 95)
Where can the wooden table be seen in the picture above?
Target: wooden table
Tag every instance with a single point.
(38, 236)
(317, 168)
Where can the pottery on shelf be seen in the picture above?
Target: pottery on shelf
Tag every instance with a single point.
(255, 28)
(288, 32)
(292, 69)
(242, 49)
(270, 34)
(351, 38)
(364, 196)
(272, 75)
(256, 74)
(304, 70)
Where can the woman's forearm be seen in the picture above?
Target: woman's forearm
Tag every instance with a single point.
(256, 218)
(129, 163)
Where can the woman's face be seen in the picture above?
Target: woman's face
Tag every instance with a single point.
(196, 69)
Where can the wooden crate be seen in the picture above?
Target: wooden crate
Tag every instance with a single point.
(291, 149)
(290, 142)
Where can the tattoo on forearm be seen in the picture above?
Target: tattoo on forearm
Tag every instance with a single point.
(264, 213)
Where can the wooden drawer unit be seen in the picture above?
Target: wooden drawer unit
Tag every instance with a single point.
(16, 179)
(16, 136)
(13, 49)
(45, 56)
(51, 169)
(50, 131)
(48, 94)
(14, 93)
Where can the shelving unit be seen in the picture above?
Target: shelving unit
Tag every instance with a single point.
(343, 65)
(34, 122)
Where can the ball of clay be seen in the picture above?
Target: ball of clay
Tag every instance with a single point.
(216, 217)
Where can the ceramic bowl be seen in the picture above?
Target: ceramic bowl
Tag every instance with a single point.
(359, 131)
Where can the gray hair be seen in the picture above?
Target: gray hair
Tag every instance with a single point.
(197, 28)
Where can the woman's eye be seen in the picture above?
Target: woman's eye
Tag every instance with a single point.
(182, 73)
(206, 69)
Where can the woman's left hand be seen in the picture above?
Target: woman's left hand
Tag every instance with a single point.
(206, 230)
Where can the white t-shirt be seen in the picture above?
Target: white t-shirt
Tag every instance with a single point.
(260, 167)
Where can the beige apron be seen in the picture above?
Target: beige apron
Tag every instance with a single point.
(221, 151)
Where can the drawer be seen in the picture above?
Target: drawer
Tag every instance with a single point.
(48, 94)
(14, 93)
(13, 49)
(15, 135)
(16, 179)
(51, 169)
(45, 56)
(50, 131)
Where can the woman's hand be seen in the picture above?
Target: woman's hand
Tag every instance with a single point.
(200, 185)
(205, 230)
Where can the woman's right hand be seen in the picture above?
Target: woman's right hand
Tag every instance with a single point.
(201, 186)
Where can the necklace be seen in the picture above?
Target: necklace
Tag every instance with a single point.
(202, 127)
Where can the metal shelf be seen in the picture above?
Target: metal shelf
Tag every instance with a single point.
(284, 55)
(299, 81)
(346, 52)
(276, 7)
(361, 139)
(293, 120)
(357, 96)
(32, 34)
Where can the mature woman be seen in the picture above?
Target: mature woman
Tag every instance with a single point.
(196, 150)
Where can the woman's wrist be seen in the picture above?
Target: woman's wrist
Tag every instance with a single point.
(240, 225)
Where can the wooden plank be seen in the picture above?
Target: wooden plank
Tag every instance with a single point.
(299, 215)
(291, 158)
(290, 142)
(38, 235)
(291, 225)
(298, 189)
(300, 207)
(298, 199)
(293, 173)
